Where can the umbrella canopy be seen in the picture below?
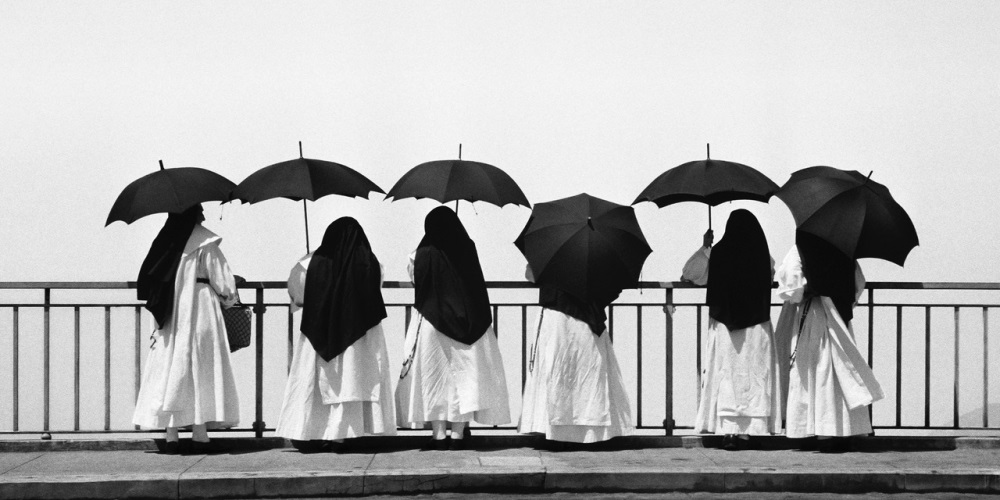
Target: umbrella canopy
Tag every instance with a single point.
(172, 190)
(303, 179)
(708, 181)
(850, 211)
(453, 180)
(584, 246)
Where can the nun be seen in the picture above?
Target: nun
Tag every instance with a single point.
(339, 383)
(453, 373)
(188, 379)
(574, 390)
(740, 393)
(830, 385)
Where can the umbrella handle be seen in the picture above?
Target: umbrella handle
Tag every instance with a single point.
(305, 212)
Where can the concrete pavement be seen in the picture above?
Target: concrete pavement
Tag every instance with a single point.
(263, 469)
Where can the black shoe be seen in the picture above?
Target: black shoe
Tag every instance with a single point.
(458, 444)
(730, 442)
(170, 448)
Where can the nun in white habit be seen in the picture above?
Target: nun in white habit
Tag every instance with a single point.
(574, 390)
(339, 384)
(188, 379)
(830, 384)
(740, 395)
(453, 373)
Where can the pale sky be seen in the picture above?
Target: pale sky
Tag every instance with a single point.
(567, 97)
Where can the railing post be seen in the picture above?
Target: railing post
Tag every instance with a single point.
(955, 396)
(986, 367)
(524, 347)
(291, 341)
(107, 368)
(871, 341)
(899, 366)
(668, 383)
(697, 357)
(927, 366)
(45, 364)
(15, 364)
(259, 309)
(76, 368)
(638, 365)
(138, 356)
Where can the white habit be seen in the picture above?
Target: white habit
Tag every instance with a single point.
(739, 386)
(574, 391)
(188, 379)
(449, 380)
(830, 384)
(346, 397)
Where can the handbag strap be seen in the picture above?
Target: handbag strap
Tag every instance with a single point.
(802, 322)
(408, 363)
(534, 347)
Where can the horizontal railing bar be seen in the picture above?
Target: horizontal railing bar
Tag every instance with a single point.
(642, 285)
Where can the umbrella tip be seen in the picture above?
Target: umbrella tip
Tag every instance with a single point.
(870, 172)
(300, 149)
(590, 222)
(708, 151)
(460, 151)
(161, 165)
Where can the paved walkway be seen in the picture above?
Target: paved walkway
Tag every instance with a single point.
(134, 468)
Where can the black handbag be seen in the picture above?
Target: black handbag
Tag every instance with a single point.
(237, 319)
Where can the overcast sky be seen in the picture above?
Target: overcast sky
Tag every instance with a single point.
(567, 97)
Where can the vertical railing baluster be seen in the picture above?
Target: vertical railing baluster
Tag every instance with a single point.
(15, 365)
(45, 361)
(524, 347)
(871, 329)
(697, 357)
(107, 368)
(668, 382)
(986, 367)
(899, 366)
(291, 341)
(927, 366)
(638, 365)
(138, 356)
(258, 424)
(496, 321)
(76, 368)
(955, 395)
(871, 339)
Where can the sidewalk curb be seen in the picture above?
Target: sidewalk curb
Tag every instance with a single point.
(319, 484)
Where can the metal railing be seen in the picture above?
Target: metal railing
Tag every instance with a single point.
(632, 328)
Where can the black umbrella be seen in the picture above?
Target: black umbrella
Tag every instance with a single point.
(850, 211)
(708, 181)
(303, 179)
(172, 190)
(585, 246)
(453, 180)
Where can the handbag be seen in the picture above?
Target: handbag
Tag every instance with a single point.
(237, 319)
